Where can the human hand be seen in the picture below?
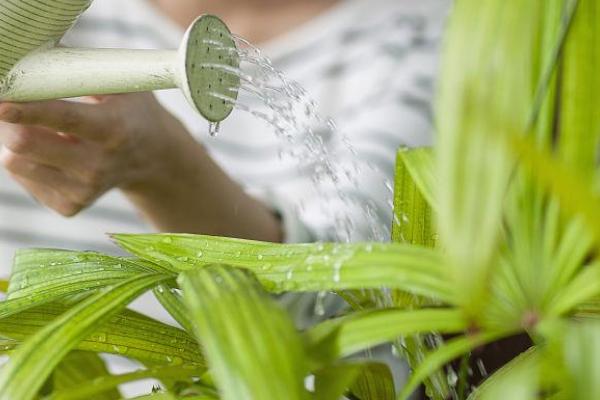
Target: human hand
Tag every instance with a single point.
(68, 154)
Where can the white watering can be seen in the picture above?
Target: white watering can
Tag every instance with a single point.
(33, 67)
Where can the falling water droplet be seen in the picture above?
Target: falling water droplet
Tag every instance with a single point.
(396, 353)
(481, 368)
(389, 186)
(214, 128)
(452, 377)
(337, 272)
(174, 360)
(120, 349)
(320, 304)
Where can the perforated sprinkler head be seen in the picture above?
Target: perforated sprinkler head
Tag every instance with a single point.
(209, 61)
(204, 68)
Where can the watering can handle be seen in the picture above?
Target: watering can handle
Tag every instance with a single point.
(69, 72)
(60, 72)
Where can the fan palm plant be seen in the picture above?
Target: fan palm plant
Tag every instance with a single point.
(496, 234)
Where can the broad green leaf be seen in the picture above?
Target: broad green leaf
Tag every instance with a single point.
(157, 396)
(531, 222)
(43, 276)
(479, 100)
(575, 195)
(334, 381)
(3, 286)
(583, 288)
(127, 334)
(8, 345)
(43, 270)
(569, 258)
(557, 18)
(421, 165)
(347, 335)
(375, 382)
(173, 303)
(413, 220)
(303, 267)
(92, 388)
(581, 358)
(589, 310)
(169, 396)
(412, 210)
(443, 355)
(249, 342)
(516, 380)
(579, 120)
(537, 218)
(365, 380)
(32, 363)
(79, 369)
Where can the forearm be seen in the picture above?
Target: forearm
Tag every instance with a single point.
(69, 154)
(191, 194)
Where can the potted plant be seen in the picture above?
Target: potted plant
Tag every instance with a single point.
(497, 234)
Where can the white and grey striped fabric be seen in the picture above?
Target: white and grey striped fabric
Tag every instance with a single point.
(368, 63)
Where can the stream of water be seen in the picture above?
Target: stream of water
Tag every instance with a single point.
(300, 129)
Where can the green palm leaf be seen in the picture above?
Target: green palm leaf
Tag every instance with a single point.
(375, 382)
(302, 267)
(92, 388)
(250, 343)
(43, 276)
(34, 361)
(78, 369)
(413, 219)
(127, 334)
(347, 335)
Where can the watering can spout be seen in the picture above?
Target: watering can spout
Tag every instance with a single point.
(203, 68)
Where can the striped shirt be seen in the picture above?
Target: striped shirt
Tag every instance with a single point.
(369, 64)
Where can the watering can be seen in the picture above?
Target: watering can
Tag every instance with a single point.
(34, 67)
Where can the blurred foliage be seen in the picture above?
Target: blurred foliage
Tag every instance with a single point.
(497, 233)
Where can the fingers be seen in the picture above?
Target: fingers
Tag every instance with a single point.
(72, 153)
(88, 121)
(49, 185)
(49, 197)
(42, 145)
